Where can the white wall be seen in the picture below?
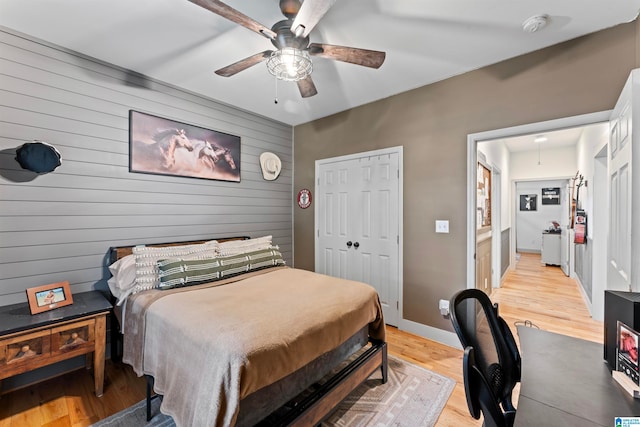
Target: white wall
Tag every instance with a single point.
(530, 224)
(592, 140)
(555, 163)
(593, 277)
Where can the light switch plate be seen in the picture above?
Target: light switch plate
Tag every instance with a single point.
(442, 226)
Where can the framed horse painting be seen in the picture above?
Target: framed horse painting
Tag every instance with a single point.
(167, 147)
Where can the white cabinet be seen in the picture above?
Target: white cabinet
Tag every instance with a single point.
(551, 248)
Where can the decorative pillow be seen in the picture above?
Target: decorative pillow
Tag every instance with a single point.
(183, 272)
(235, 247)
(123, 275)
(147, 259)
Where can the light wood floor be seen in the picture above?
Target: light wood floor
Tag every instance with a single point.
(532, 292)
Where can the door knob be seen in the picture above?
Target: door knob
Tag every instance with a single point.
(356, 245)
(349, 244)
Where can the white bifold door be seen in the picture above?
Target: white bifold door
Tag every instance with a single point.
(358, 229)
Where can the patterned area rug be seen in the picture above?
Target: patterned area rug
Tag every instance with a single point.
(412, 397)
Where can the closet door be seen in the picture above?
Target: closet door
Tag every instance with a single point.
(334, 217)
(357, 219)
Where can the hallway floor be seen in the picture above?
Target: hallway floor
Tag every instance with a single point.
(546, 297)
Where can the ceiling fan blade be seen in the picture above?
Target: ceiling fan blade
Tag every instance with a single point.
(306, 87)
(243, 64)
(308, 16)
(353, 55)
(232, 14)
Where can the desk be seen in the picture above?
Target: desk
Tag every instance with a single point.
(565, 382)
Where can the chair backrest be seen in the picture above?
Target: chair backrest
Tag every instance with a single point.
(477, 324)
(480, 396)
(511, 345)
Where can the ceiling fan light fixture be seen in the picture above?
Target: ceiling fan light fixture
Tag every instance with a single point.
(290, 64)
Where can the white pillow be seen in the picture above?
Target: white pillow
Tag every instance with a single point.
(147, 272)
(236, 247)
(123, 275)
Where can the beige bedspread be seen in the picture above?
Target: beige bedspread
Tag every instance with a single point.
(211, 345)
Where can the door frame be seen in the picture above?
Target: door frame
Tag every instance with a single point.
(472, 159)
(496, 229)
(384, 151)
(599, 233)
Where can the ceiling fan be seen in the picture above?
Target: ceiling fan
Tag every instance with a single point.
(291, 60)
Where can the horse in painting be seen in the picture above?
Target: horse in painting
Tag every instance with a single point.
(168, 141)
(210, 154)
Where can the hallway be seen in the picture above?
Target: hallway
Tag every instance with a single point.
(546, 297)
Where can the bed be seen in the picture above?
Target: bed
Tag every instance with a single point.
(239, 349)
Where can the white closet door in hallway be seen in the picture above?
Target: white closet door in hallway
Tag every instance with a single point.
(357, 217)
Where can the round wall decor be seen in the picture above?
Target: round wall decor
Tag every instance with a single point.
(38, 156)
(304, 198)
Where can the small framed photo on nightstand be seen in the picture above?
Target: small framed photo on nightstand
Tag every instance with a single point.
(47, 297)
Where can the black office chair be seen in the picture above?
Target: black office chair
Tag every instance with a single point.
(480, 396)
(477, 324)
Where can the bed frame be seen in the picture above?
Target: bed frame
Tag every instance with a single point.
(309, 410)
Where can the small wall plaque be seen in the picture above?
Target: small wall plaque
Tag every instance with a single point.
(551, 196)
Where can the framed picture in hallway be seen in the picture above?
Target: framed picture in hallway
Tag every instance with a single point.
(168, 147)
(551, 196)
(483, 197)
(528, 202)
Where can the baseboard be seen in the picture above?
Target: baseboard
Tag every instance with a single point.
(584, 295)
(429, 332)
(528, 251)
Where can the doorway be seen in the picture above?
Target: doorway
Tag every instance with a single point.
(544, 226)
(472, 157)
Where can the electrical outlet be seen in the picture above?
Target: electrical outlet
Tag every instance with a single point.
(442, 226)
(443, 305)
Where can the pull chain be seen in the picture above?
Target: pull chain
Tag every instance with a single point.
(275, 101)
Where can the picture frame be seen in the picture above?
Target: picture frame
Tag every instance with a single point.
(551, 196)
(47, 297)
(528, 202)
(483, 197)
(163, 146)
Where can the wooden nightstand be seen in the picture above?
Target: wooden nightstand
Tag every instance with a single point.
(28, 342)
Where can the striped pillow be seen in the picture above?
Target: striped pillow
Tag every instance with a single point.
(175, 272)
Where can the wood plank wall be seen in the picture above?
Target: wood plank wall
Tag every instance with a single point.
(59, 226)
